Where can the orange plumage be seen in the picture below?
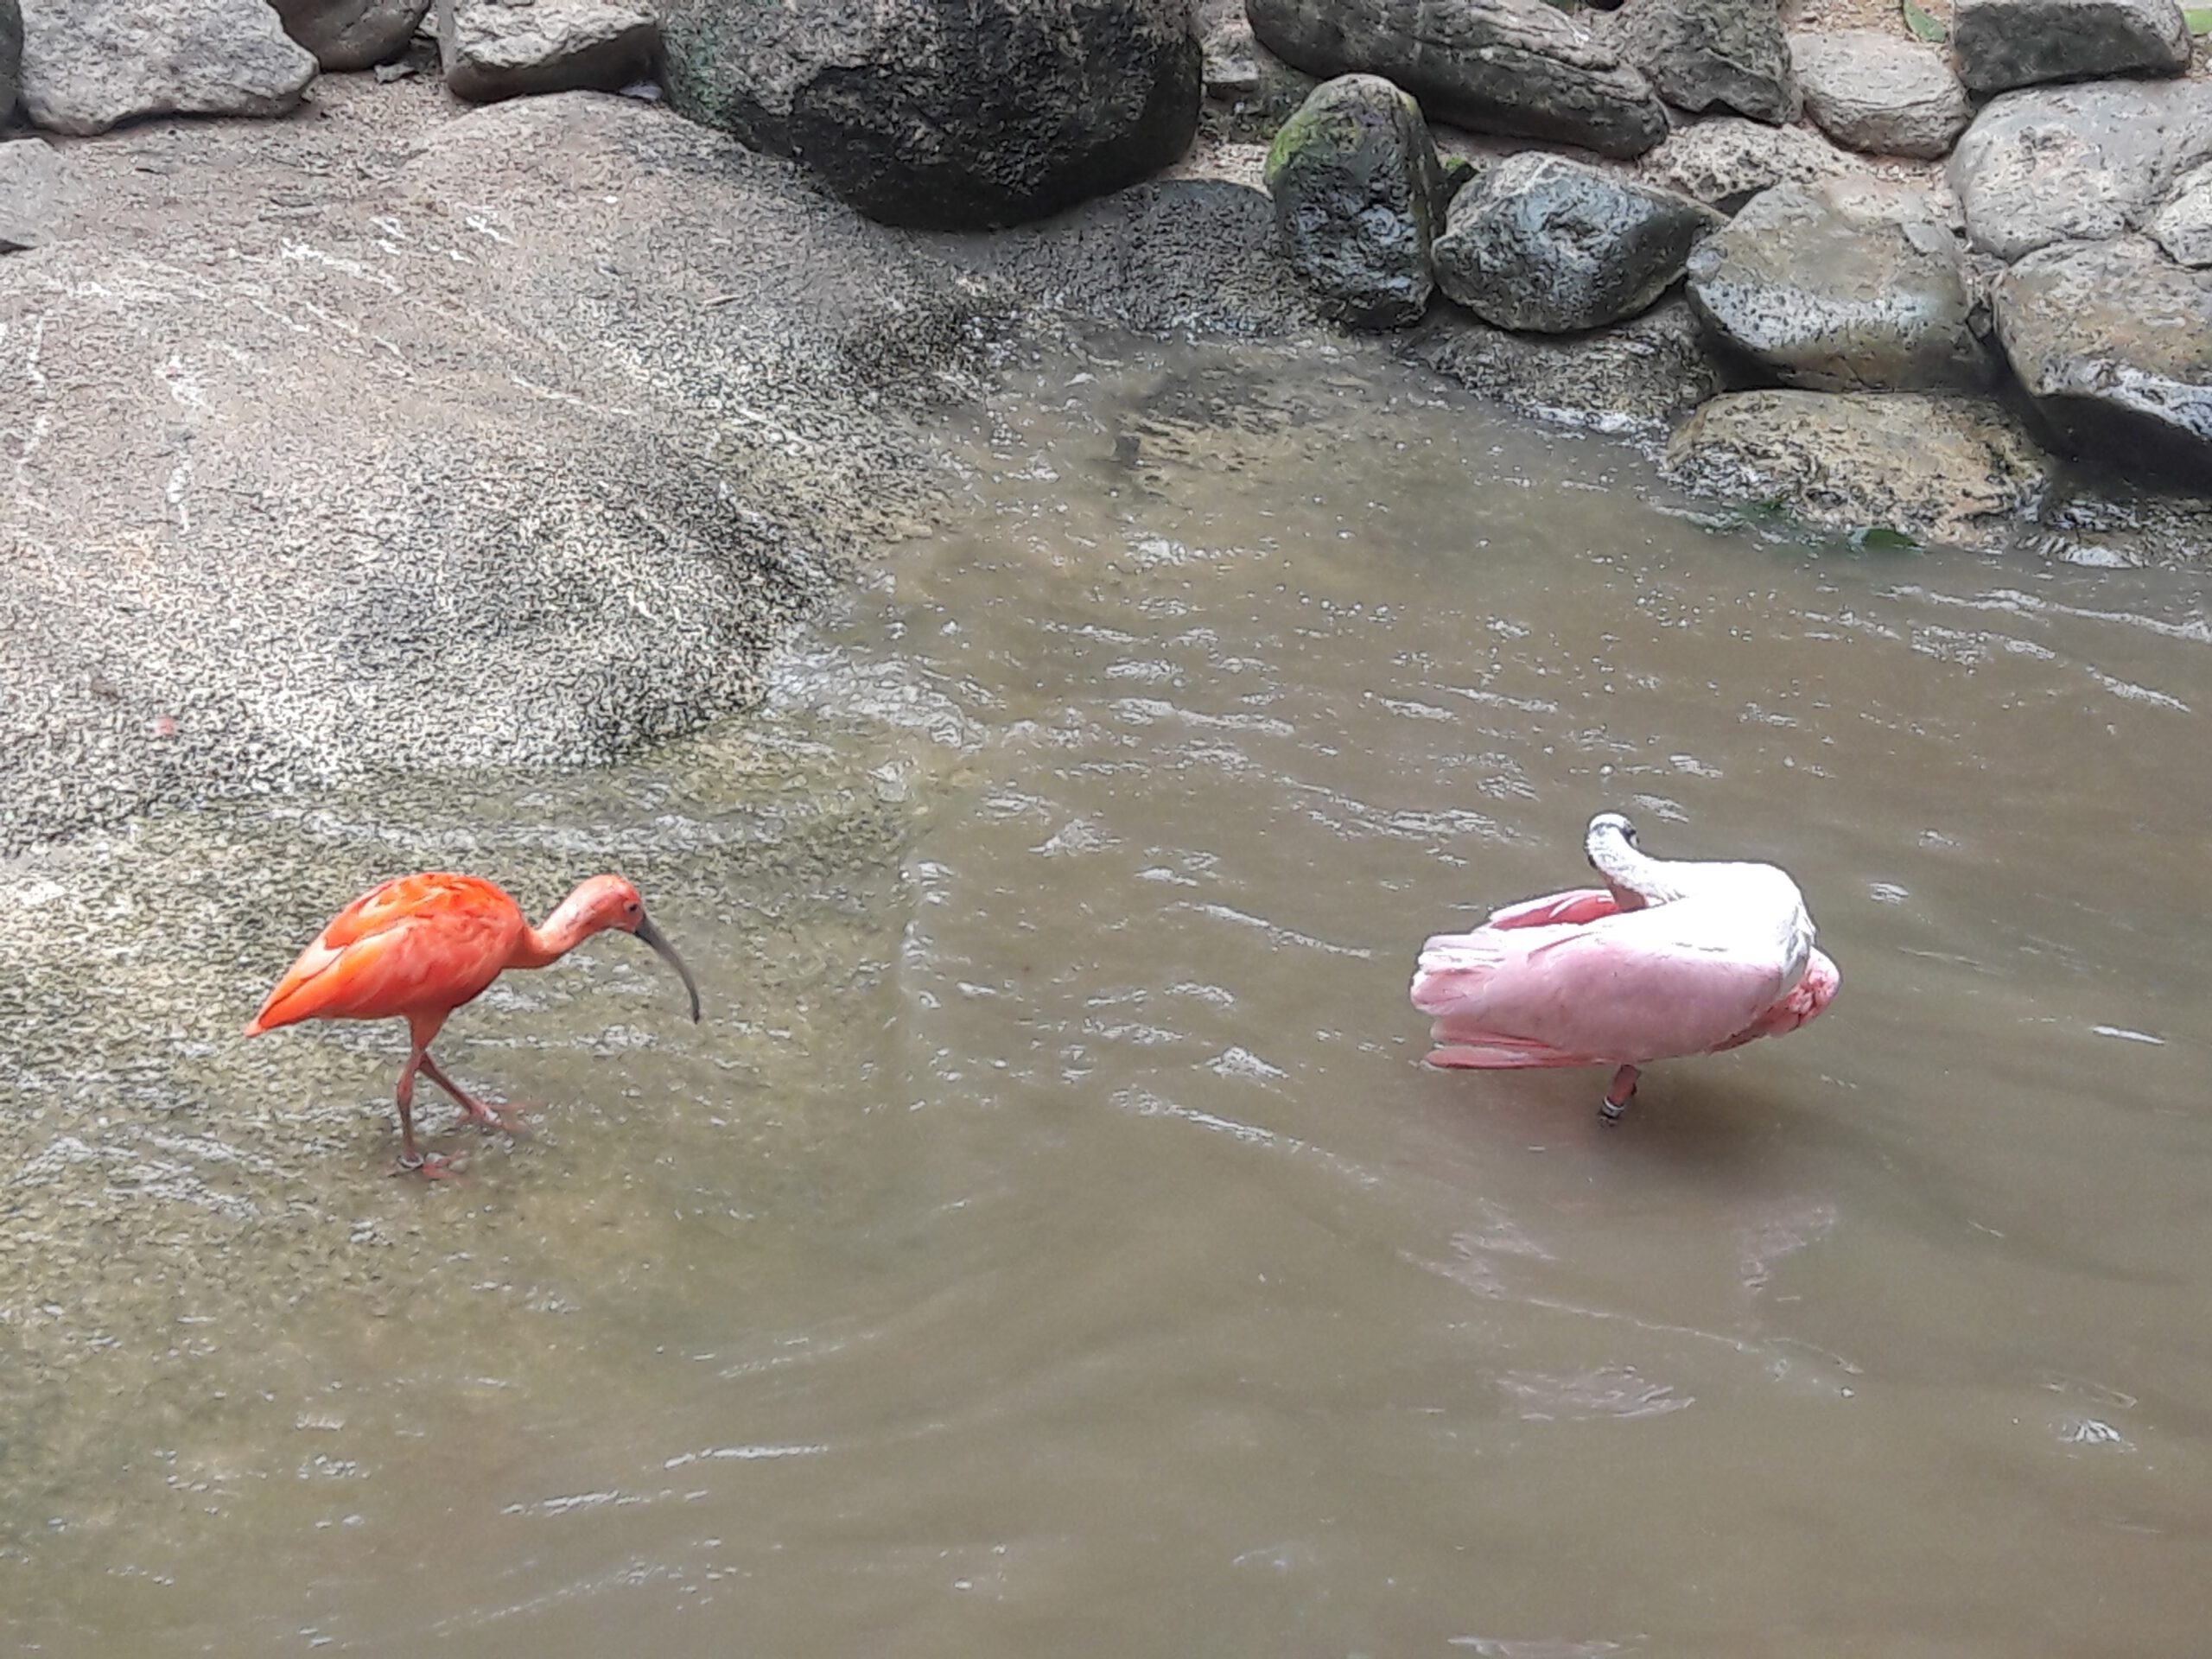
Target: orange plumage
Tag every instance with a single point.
(420, 946)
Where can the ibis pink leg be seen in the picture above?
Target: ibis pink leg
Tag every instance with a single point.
(1618, 1098)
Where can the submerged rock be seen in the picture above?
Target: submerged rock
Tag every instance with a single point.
(1849, 286)
(1544, 243)
(1519, 68)
(974, 116)
(1637, 377)
(2001, 44)
(1936, 467)
(352, 34)
(1357, 192)
(1880, 92)
(1707, 54)
(91, 64)
(1726, 159)
(2081, 163)
(2113, 342)
(518, 48)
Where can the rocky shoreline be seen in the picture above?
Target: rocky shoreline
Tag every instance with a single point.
(364, 433)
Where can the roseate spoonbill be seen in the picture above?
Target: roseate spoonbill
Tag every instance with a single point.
(420, 946)
(1669, 958)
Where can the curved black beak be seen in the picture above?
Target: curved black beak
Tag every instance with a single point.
(658, 940)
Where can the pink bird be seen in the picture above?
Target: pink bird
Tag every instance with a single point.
(1669, 958)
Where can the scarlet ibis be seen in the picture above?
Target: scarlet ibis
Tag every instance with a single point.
(420, 946)
(1669, 958)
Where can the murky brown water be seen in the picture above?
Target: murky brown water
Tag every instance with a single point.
(1052, 1244)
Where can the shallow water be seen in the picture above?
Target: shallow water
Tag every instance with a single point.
(1051, 1243)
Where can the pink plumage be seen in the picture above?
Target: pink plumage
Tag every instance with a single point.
(1669, 958)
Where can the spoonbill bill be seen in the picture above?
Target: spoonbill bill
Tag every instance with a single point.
(1671, 956)
(420, 946)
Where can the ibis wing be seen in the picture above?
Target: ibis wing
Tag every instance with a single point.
(415, 942)
(1567, 994)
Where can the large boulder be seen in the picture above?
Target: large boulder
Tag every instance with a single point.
(1544, 243)
(352, 34)
(2001, 44)
(1636, 377)
(11, 57)
(570, 408)
(2183, 226)
(1725, 160)
(2077, 163)
(1854, 286)
(1712, 54)
(91, 64)
(951, 114)
(1880, 92)
(1358, 193)
(524, 49)
(1937, 467)
(1519, 68)
(2114, 343)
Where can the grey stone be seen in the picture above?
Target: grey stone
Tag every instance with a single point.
(1252, 92)
(1939, 466)
(524, 452)
(1637, 377)
(30, 192)
(91, 64)
(2001, 44)
(11, 57)
(493, 49)
(2077, 163)
(973, 115)
(1169, 256)
(1880, 92)
(1544, 243)
(1726, 159)
(2183, 226)
(1519, 68)
(1849, 286)
(1712, 54)
(346, 34)
(2114, 343)
(1358, 191)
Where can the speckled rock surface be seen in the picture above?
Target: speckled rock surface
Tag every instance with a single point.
(31, 185)
(522, 448)
(2084, 163)
(2113, 342)
(1882, 93)
(1712, 54)
(518, 48)
(1358, 197)
(1848, 286)
(90, 65)
(1540, 242)
(2183, 226)
(1726, 159)
(1634, 378)
(352, 34)
(1520, 68)
(1938, 467)
(2001, 44)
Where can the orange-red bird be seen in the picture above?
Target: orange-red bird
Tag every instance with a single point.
(420, 946)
